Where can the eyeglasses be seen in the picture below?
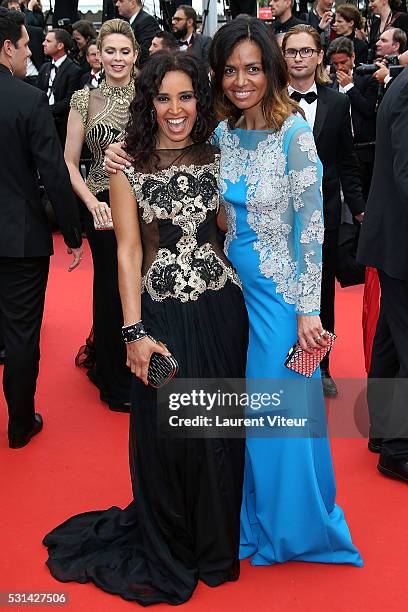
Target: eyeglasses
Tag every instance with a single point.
(304, 52)
(179, 19)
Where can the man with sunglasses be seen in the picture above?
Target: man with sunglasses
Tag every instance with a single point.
(328, 114)
(184, 25)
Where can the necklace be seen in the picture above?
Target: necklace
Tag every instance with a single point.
(122, 95)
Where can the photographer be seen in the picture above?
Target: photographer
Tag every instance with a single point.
(362, 91)
(321, 17)
(391, 44)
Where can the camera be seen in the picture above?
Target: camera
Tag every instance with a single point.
(391, 61)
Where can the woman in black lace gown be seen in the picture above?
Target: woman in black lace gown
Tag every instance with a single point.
(177, 285)
(98, 117)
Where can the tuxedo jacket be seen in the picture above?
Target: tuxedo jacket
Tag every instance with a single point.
(36, 45)
(383, 240)
(86, 81)
(363, 101)
(67, 80)
(145, 28)
(335, 148)
(29, 143)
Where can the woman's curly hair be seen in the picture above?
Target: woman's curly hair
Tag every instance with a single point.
(142, 126)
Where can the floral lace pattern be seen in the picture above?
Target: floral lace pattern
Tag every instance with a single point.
(277, 200)
(185, 195)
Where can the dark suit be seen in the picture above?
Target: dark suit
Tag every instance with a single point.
(67, 80)
(363, 102)
(335, 148)
(29, 143)
(199, 47)
(145, 28)
(383, 245)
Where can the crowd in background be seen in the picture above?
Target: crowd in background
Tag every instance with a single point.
(294, 159)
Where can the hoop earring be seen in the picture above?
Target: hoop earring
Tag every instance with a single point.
(153, 115)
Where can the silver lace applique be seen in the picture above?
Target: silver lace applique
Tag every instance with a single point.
(308, 299)
(185, 195)
(307, 145)
(315, 230)
(300, 180)
(273, 197)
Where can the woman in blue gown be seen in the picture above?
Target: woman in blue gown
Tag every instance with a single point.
(271, 184)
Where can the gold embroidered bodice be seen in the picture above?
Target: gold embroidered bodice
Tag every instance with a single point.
(104, 112)
(177, 206)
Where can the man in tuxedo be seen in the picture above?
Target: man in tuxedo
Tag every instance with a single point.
(29, 145)
(328, 114)
(362, 92)
(91, 80)
(184, 25)
(383, 245)
(143, 25)
(59, 78)
(282, 14)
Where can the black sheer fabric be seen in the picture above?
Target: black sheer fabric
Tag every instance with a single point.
(104, 112)
(183, 523)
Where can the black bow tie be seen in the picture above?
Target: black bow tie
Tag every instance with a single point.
(183, 43)
(310, 96)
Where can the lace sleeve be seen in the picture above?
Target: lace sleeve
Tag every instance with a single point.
(305, 178)
(80, 102)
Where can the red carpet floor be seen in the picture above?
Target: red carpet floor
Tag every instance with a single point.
(79, 463)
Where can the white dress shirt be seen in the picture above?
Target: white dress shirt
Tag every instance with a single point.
(308, 109)
(53, 73)
(31, 69)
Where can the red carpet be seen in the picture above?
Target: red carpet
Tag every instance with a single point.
(79, 462)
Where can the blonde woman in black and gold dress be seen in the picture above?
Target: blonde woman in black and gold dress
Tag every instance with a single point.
(98, 117)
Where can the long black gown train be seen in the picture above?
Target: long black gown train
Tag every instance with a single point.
(183, 524)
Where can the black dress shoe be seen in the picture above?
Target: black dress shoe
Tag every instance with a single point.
(329, 386)
(375, 445)
(394, 468)
(36, 428)
(2, 356)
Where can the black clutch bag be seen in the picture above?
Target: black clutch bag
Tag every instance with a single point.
(162, 368)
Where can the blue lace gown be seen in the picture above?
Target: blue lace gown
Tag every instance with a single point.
(271, 184)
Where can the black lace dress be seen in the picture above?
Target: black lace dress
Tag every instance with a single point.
(183, 525)
(104, 112)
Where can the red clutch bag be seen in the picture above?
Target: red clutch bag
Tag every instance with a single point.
(305, 363)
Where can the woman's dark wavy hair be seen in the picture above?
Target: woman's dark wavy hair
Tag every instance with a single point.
(276, 105)
(142, 127)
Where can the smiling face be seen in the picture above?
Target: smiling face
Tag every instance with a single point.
(93, 58)
(79, 39)
(118, 57)
(176, 110)
(244, 82)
